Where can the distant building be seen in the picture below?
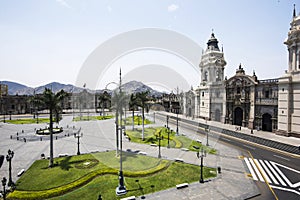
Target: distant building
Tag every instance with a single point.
(3, 90)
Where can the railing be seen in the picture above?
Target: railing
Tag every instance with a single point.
(267, 101)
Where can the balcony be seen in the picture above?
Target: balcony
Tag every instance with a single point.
(267, 101)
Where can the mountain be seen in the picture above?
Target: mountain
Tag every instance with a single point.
(16, 88)
(135, 86)
(129, 87)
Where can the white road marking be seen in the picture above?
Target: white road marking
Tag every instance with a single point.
(263, 171)
(251, 169)
(256, 170)
(274, 172)
(281, 157)
(285, 189)
(285, 178)
(280, 173)
(249, 147)
(268, 172)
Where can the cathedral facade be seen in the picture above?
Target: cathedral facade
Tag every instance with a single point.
(244, 100)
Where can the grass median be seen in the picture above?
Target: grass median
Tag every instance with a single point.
(152, 136)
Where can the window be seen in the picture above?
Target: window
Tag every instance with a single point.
(203, 94)
(202, 103)
(267, 94)
(238, 90)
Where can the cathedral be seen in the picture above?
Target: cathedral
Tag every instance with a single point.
(244, 100)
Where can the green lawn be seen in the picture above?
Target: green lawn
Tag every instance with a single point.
(87, 176)
(87, 118)
(28, 121)
(137, 120)
(151, 135)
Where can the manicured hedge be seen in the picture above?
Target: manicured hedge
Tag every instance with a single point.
(17, 194)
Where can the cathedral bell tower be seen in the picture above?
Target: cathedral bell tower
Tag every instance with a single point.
(289, 84)
(212, 63)
(293, 44)
(212, 90)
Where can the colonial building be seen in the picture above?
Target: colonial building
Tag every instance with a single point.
(251, 102)
(289, 84)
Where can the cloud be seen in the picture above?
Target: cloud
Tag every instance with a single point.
(173, 7)
(63, 3)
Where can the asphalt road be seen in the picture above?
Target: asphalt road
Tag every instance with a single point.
(281, 169)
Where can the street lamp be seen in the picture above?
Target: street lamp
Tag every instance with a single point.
(159, 138)
(203, 154)
(78, 136)
(121, 189)
(117, 119)
(167, 121)
(177, 111)
(207, 131)
(168, 131)
(9, 157)
(3, 184)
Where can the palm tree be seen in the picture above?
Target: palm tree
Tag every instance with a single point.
(142, 98)
(34, 102)
(133, 102)
(52, 102)
(104, 98)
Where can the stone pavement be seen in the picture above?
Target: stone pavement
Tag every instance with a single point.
(232, 183)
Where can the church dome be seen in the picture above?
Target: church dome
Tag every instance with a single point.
(212, 43)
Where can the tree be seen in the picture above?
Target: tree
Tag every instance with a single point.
(142, 98)
(104, 99)
(133, 103)
(52, 102)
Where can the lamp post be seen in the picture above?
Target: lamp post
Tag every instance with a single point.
(121, 189)
(9, 157)
(168, 130)
(3, 184)
(117, 119)
(78, 136)
(207, 131)
(203, 154)
(177, 111)
(159, 138)
(167, 121)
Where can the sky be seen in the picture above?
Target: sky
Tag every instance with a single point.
(53, 40)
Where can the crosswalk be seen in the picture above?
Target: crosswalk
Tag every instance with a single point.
(269, 171)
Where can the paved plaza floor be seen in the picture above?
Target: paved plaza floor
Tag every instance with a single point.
(231, 183)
